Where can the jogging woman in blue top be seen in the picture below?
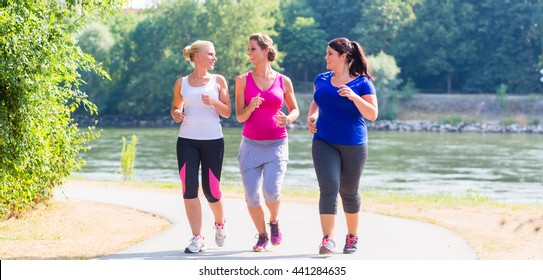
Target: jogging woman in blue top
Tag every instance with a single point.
(342, 99)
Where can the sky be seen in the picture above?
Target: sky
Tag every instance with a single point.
(140, 3)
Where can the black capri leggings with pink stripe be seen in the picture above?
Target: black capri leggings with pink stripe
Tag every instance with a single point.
(338, 168)
(209, 153)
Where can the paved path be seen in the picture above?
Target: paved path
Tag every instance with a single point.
(381, 237)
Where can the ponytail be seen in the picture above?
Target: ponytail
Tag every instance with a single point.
(356, 58)
(359, 65)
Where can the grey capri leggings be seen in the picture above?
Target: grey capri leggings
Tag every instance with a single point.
(338, 169)
(262, 161)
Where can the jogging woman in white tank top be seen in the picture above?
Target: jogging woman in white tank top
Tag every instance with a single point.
(199, 99)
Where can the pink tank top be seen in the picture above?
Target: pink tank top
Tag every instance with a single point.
(261, 124)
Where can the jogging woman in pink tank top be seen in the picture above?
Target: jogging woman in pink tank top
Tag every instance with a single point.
(263, 153)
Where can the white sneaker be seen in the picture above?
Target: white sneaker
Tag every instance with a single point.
(220, 234)
(328, 245)
(197, 244)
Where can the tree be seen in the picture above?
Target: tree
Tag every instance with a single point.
(337, 18)
(156, 58)
(385, 71)
(97, 41)
(472, 46)
(381, 21)
(120, 58)
(229, 24)
(39, 142)
(304, 43)
(509, 45)
(305, 47)
(440, 45)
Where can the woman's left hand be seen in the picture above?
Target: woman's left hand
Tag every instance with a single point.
(281, 119)
(207, 99)
(346, 91)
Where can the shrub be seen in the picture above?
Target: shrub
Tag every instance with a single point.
(390, 91)
(507, 121)
(534, 122)
(39, 141)
(501, 96)
(452, 120)
(128, 158)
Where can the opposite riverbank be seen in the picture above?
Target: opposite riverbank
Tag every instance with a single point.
(494, 230)
(471, 113)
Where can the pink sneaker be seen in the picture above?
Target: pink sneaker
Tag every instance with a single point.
(276, 235)
(351, 244)
(262, 243)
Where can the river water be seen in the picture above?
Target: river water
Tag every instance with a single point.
(505, 167)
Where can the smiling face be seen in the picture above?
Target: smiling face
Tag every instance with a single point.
(333, 59)
(206, 58)
(256, 53)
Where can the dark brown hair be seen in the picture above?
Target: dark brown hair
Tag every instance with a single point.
(356, 58)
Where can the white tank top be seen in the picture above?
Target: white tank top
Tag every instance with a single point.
(201, 121)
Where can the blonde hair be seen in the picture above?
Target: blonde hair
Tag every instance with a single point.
(190, 50)
(265, 42)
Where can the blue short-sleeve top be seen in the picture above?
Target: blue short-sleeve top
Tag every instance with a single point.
(339, 120)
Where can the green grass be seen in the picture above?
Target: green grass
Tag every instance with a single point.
(442, 199)
(507, 121)
(468, 198)
(445, 200)
(457, 119)
(370, 195)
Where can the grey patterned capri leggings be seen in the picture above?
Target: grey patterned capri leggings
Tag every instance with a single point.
(339, 169)
(262, 161)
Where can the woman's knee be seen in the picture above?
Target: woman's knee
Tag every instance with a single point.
(328, 205)
(190, 194)
(272, 196)
(252, 199)
(350, 201)
(213, 196)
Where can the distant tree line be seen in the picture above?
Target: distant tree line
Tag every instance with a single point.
(439, 46)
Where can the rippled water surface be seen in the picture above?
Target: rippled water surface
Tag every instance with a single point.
(504, 167)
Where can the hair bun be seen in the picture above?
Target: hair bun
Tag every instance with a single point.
(186, 53)
(271, 54)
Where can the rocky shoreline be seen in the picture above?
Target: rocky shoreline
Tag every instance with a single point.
(380, 125)
(455, 113)
(431, 126)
